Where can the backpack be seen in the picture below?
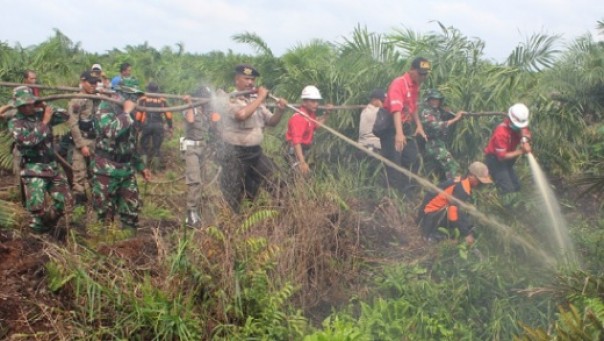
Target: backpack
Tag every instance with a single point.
(384, 124)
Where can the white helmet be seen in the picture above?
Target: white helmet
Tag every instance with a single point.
(311, 92)
(519, 115)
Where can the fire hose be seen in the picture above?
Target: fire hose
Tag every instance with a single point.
(471, 209)
(197, 101)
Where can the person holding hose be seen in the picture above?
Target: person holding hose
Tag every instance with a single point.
(438, 210)
(195, 144)
(115, 162)
(437, 122)
(152, 123)
(81, 124)
(366, 136)
(300, 128)
(399, 146)
(245, 167)
(39, 171)
(510, 139)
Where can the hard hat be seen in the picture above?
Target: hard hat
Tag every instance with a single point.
(311, 92)
(435, 94)
(519, 115)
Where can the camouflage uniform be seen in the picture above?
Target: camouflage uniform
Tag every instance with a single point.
(114, 164)
(12, 113)
(39, 171)
(436, 130)
(81, 123)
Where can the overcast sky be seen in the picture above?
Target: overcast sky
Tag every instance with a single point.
(208, 25)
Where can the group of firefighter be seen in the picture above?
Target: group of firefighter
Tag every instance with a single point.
(105, 128)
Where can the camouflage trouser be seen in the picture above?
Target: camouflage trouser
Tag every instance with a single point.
(193, 158)
(35, 189)
(81, 168)
(437, 150)
(111, 193)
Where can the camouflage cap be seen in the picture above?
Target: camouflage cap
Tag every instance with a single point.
(130, 86)
(23, 97)
(434, 94)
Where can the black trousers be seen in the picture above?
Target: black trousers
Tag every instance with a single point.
(430, 222)
(152, 138)
(244, 171)
(503, 174)
(408, 158)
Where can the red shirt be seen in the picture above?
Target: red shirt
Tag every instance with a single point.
(402, 96)
(300, 130)
(503, 140)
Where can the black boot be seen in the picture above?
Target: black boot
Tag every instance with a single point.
(80, 199)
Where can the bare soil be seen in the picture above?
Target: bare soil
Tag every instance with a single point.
(25, 301)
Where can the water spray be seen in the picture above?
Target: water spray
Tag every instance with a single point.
(552, 208)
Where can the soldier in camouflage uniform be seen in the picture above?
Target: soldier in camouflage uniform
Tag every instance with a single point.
(81, 123)
(436, 122)
(115, 161)
(40, 173)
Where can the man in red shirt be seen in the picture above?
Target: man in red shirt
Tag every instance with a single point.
(300, 129)
(401, 101)
(510, 139)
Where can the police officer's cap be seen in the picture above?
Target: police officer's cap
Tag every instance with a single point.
(246, 70)
(89, 77)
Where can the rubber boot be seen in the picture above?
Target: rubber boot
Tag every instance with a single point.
(50, 218)
(193, 219)
(80, 199)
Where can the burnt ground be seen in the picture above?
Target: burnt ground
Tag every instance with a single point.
(27, 306)
(382, 235)
(23, 295)
(25, 300)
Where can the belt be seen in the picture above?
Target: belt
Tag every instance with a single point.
(113, 157)
(192, 143)
(88, 135)
(37, 159)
